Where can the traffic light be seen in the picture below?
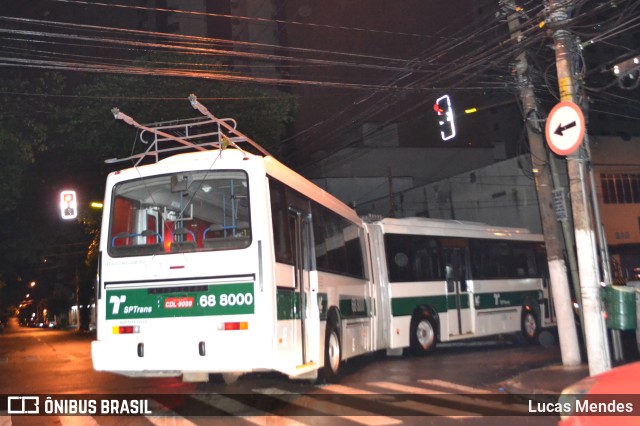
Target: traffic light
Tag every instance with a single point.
(68, 205)
(445, 117)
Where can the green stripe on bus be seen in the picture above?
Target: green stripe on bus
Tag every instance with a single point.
(402, 306)
(218, 299)
(288, 306)
(505, 299)
(354, 307)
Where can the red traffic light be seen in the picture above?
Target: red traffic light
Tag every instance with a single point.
(445, 121)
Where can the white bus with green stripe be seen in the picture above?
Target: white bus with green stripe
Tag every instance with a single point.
(217, 260)
(446, 280)
(221, 261)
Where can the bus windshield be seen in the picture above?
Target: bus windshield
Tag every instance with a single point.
(180, 212)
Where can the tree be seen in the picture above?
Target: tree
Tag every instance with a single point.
(56, 131)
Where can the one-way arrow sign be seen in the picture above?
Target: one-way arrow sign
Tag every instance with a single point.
(565, 128)
(562, 128)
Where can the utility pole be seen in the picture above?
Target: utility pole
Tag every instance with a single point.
(594, 327)
(569, 347)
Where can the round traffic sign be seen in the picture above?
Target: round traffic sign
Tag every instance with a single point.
(565, 128)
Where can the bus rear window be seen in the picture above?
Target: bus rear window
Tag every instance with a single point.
(183, 212)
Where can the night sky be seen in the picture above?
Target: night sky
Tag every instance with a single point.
(304, 78)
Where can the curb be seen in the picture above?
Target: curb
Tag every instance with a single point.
(544, 384)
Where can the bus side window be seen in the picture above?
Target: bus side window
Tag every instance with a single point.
(450, 277)
(524, 258)
(280, 223)
(322, 260)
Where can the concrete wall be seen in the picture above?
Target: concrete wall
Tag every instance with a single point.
(499, 194)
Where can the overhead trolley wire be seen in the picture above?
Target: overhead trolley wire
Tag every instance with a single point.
(247, 18)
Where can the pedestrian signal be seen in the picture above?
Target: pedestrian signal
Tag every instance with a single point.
(68, 205)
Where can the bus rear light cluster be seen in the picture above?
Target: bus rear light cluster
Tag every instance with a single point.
(126, 329)
(233, 326)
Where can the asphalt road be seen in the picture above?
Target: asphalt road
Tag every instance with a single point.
(459, 384)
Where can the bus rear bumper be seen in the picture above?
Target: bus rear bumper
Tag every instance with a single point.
(156, 359)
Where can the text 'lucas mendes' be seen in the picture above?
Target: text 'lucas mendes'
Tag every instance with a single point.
(581, 406)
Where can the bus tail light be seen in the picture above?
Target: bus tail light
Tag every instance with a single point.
(126, 329)
(234, 326)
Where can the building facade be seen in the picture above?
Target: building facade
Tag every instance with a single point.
(499, 193)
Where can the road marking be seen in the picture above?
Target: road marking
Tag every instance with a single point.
(347, 390)
(78, 421)
(170, 421)
(230, 405)
(246, 412)
(330, 408)
(454, 386)
(426, 408)
(168, 418)
(469, 399)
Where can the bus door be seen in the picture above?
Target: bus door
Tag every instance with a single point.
(459, 313)
(305, 287)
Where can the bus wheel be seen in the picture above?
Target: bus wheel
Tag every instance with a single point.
(530, 325)
(332, 353)
(423, 333)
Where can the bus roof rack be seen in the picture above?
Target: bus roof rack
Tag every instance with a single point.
(200, 134)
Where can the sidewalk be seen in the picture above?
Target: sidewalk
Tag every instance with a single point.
(545, 384)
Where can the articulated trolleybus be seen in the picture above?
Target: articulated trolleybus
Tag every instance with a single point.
(446, 280)
(216, 260)
(220, 261)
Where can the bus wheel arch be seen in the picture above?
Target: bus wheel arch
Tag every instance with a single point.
(332, 347)
(530, 323)
(424, 330)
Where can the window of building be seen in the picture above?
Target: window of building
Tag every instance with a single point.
(623, 188)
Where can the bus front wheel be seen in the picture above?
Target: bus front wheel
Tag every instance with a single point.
(423, 333)
(530, 325)
(332, 353)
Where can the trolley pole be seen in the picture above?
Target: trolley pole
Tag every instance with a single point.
(597, 344)
(569, 347)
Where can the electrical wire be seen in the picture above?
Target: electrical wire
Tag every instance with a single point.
(467, 58)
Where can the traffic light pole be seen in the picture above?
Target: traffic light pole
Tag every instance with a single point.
(569, 347)
(594, 327)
